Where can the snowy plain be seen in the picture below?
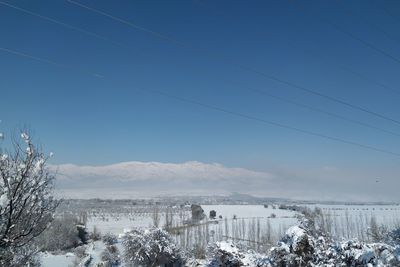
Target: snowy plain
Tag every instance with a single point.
(278, 219)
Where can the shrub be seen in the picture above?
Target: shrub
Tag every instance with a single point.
(213, 214)
(151, 248)
(376, 232)
(230, 255)
(394, 237)
(80, 252)
(82, 233)
(110, 239)
(198, 251)
(110, 256)
(61, 235)
(226, 254)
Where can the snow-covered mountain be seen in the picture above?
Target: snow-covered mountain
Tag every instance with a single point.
(137, 178)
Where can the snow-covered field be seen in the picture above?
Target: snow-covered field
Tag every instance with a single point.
(268, 220)
(279, 219)
(49, 260)
(238, 222)
(385, 214)
(110, 224)
(117, 224)
(246, 211)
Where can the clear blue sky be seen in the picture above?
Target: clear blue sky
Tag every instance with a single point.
(90, 120)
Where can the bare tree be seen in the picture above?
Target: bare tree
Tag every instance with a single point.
(26, 202)
(169, 218)
(155, 216)
(376, 232)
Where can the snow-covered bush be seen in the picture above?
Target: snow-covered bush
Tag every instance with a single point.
(80, 252)
(198, 251)
(82, 258)
(377, 233)
(393, 237)
(295, 248)
(83, 262)
(26, 201)
(110, 239)
(354, 253)
(306, 245)
(228, 254)
(22, 256)
(152, 247)
(314, 222)
(110, 256)
(61, 235)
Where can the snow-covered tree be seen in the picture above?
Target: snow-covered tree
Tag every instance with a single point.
(26, 200)
(151, 248)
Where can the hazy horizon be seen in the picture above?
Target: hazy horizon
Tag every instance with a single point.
(136, 179)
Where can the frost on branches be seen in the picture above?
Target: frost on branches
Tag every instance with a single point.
(152, 247)
(26, 201)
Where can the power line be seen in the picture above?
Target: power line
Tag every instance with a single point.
(222, 110)
(355, 37)
(331, 114)
(368, 79)
(263, 92)
(341, 66)
(252, 89)
(43, 60)
(63, 24)
(390, 14)
(243, 67)
(350, 12)
(353, 72)
(268, 122)
(133, 25)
